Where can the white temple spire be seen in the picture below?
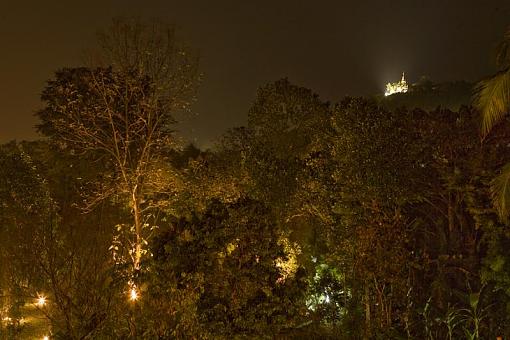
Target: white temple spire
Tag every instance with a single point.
(400, 87)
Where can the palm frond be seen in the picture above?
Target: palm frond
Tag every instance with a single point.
(503, 52)
(500, 192)
(493, 99)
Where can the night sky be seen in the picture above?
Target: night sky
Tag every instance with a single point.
(333, 47)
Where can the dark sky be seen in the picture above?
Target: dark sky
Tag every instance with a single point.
(333, 47)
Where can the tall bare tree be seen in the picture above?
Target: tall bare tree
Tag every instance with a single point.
(122, 111)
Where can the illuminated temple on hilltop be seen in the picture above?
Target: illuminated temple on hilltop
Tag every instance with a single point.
(399, 87)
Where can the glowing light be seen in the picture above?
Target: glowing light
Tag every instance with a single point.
(41, 301)
(133, 294)
(400, 87)
(46, 337)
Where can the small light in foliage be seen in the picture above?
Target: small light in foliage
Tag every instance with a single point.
(46, 337)
(41, 301)
(133, 294)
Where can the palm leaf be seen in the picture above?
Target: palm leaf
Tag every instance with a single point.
(493, 99)
(503, 52)
(500, 192)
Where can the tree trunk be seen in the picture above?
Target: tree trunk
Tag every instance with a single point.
(138, 228)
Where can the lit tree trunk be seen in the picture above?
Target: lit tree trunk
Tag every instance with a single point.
(138, 227)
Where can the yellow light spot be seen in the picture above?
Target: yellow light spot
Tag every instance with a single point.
(46, 337)
(133, 294)
(41, 301)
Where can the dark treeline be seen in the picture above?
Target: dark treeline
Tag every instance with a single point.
(350, 220)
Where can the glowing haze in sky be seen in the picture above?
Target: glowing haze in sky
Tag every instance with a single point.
(333, 47)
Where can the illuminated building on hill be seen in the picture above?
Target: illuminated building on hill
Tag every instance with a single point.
(399, 87)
